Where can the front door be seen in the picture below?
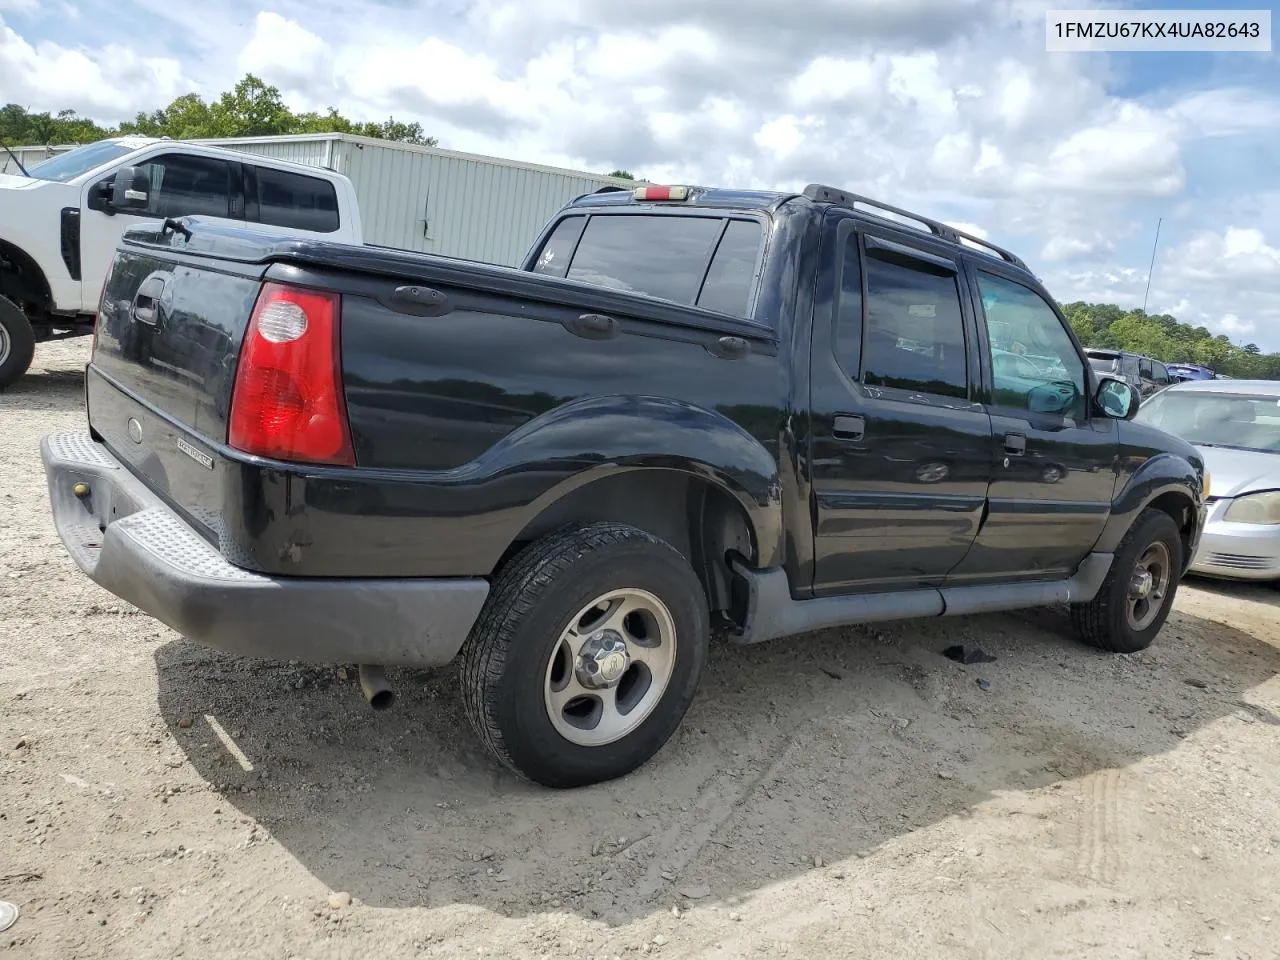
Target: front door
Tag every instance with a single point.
(1054, 473)
(900, 450)
(180, 185)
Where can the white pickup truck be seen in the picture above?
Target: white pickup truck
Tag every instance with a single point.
(60, 223)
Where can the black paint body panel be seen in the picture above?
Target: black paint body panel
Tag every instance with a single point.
(466, 425)
(479, 396)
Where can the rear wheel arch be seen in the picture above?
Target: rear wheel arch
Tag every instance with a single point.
(22, 280)
(701, 519)
(1182, 509)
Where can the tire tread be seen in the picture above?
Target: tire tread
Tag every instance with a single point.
(1093, 620)
(517, 587)
(22, 342)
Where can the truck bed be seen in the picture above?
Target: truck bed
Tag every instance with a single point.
(471, 391)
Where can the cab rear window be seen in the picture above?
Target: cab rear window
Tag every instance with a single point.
(710, 262)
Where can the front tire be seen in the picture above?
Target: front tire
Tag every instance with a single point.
(586, 655)
(17, 342)
(1137, 595)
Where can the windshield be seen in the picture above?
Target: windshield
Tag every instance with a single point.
(1104, 364)
(68, 166)
(1216, 419)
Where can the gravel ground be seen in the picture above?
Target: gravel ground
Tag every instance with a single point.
(850, 793)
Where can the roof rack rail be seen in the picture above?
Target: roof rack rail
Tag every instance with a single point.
(843, 198)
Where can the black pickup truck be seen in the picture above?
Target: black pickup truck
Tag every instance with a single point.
(692, 412)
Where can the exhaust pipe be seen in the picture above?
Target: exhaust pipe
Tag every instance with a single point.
(373, 681)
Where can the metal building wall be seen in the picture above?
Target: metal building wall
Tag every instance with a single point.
(452, 204)
(437, 201)
(310, 150)
(30, 156)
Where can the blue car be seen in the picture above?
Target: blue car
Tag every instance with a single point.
(1190, 371)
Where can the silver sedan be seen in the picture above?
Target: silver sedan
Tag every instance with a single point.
(1236, 426)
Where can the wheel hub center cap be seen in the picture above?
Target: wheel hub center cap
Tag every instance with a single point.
(603, 659)
(1142, 583)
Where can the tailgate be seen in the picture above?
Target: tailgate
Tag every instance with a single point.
(169, 334)
(163, 366)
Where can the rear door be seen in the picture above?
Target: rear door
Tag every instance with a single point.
(900, 449)
(1160, 376)
(1054, 475)
(1146, 376)
(290, 202)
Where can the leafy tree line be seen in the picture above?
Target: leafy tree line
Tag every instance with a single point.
(250, 109)
(1164, 338)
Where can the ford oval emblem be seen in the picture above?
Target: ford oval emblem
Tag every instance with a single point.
(135, 430)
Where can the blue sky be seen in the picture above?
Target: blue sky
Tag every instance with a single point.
(952, 107)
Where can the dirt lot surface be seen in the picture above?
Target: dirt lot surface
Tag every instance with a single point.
(848, 794)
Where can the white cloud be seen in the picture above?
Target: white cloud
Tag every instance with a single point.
(1232, 325)
(832, 80)
(1067, 247)
(1226, 111)
(1134, 151)
(1237, 255)
(283, 52)
(1227, 281)
(946, 106)
(970, 228)
(93, 81)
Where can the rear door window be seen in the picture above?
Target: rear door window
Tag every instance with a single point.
(913, 336)
(558, 250)
(1103, 364)
(294, 200)
(709, 262)
(733, 269)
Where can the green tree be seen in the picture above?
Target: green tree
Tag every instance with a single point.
(251, 108)
(187, 118)
(18, 126)
(621, 174)
(1165, 338)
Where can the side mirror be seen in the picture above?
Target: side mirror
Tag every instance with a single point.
(1116, 399)
(130, 189)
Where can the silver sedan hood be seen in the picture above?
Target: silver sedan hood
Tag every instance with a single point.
(1237, 472)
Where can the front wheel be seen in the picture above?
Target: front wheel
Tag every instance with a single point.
(587, 654)
(1137, 595)
(17, 342)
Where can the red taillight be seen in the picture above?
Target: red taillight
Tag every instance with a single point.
(661, 193)
(287, 400)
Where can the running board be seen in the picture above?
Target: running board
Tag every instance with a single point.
(772, 612)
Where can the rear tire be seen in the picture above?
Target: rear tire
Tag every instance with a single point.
(557, 622)
(1120, 618)
(17, 342)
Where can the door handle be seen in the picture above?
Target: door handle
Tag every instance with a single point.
(143, 307)
(849, 426)
(1015, 444)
